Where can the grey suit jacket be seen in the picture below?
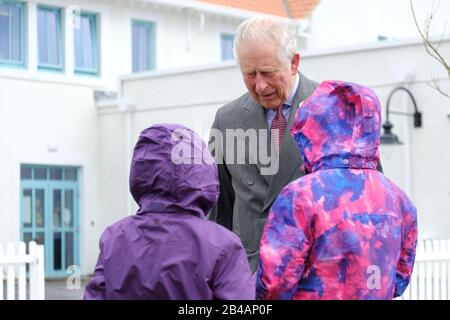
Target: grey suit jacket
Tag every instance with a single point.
(248, 188)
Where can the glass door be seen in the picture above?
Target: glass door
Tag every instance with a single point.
(49, 214)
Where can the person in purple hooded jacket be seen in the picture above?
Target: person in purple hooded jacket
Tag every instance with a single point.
(168, 250)
(343, 231)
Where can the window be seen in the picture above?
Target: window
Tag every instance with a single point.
(226, 41)
(50, 38)
(12, 33)
(143, 45)
(86, 44)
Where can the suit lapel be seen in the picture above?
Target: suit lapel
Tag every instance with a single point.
(254, 118)
(290, 158)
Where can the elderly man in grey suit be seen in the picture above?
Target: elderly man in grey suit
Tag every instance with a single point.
(250, 137)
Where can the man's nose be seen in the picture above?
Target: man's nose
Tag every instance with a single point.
(261, 84)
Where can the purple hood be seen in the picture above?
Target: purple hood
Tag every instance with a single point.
(172, 173)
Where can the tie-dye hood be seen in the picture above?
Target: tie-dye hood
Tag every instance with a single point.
(172, 171)
(338, 126)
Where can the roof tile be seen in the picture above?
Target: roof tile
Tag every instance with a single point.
(296, 9)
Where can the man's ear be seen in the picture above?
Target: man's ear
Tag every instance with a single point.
(295, 63)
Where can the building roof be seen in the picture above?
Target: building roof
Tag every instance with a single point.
(295, 9)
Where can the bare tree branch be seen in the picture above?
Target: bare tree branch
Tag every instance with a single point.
(435, 85)
(431, 49)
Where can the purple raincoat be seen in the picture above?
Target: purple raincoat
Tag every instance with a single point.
(168, 250)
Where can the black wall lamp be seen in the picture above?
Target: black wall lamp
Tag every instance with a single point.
(388, 137)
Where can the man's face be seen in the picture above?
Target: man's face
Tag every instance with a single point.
(268, 80)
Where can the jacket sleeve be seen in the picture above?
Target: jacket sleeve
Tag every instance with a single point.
(95, 289)
(408, 251)
(232, 278)
(285, 246)
(222, 212)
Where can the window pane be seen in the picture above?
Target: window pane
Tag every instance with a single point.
(78, 47)
(55, 174)
(16, 53)
(57, 265)
(39, 238)
(27, 207)
(11, 15)
(39, 208)
(4, 31)
(85, 44)
(143, 49)
(49, 36)
(142, 41)
(135, 48)
(42, 39)
(69, 249)
(27, 237)
(227, 47)
(25, 173)
(57, 208)
(52, 36)
(40, 174)
(68, 208)
(88, 54)
(70, 174)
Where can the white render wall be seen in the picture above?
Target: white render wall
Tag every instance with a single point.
(421, 166)
(36, 118)
(354, 22)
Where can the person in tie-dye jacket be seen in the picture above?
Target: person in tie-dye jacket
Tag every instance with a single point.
(344, 231)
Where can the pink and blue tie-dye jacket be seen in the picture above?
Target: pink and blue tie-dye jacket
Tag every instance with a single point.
(344, 231)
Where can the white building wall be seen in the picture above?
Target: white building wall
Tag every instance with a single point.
(52, 124)
(353, 22)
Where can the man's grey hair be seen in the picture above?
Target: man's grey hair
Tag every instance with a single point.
(268, 29)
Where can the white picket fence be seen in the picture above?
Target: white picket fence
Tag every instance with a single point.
(431, 275)
(430, 279)
(14, 258)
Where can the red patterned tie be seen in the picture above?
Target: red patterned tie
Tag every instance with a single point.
(278, 128)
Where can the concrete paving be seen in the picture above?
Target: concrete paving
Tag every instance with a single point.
(61, 290)
(57, 289)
